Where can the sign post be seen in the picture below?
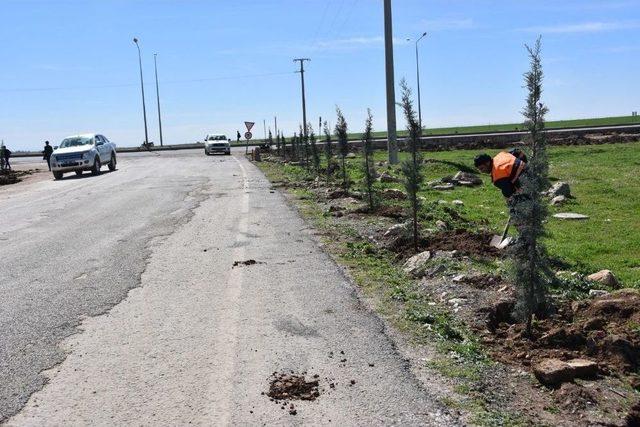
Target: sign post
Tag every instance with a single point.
(248, 134)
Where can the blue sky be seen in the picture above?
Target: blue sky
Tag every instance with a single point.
(71, 66)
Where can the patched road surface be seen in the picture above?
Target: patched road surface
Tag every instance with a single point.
(120, 305)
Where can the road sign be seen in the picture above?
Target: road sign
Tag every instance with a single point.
(248, 135)
(249, 126)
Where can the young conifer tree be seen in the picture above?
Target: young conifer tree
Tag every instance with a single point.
(283, 141)
(532, 273)
(270, 139)
(315, 155)
(328, 150)
(367, 164)
(294, 148)
(303, 142)
(343, 145)
(412, 167)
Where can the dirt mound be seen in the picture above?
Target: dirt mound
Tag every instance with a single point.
(395, 212)
(293, 387)
(604, 330)
(484, 281)
(463, 241)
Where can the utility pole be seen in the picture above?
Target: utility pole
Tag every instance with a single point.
(392, 143)
(155, 65)
(275, 125)
(304, 102)
(264, 126)
(144, 107)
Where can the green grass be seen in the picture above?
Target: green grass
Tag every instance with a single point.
(462, 130)
(604, 180)
(557, 124)
(606, 184)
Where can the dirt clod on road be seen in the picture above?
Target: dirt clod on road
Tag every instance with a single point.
(245, 263)
(292, 387)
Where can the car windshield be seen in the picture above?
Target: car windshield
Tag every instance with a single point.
(217, 138)
(76, 141)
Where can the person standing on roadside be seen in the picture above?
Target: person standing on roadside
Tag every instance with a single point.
(6, 153)
(238, 136)
(47, 153)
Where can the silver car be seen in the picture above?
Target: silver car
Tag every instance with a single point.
(79, 153)
(217, 144)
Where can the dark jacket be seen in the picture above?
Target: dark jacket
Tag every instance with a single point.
(47, 151)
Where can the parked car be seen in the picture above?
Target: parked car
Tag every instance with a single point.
(217, 144)
(79, 153)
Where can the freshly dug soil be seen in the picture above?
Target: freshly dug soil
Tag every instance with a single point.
(463, 241)
(292, 387)
(603, 330)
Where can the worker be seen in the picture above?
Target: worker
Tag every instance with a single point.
(48, 149)
(505, 169)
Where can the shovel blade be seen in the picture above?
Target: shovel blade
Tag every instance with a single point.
(499, 243)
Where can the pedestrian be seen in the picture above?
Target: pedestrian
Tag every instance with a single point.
(6, 154)
(48, 149)
(238, 136)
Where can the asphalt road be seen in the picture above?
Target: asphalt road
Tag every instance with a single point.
(120, 305)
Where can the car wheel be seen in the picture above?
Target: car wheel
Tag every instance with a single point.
(79, 173)
(112, 163)
(228, 153)
(95, 170)
(57, 175)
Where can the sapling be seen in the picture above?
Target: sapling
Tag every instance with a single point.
(328, 150)
(530, 261)
(343, 145)
(412, 167)
(367, 164)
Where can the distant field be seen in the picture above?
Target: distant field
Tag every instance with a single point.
(558, 124)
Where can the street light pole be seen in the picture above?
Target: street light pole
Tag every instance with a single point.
(155, 65)
(144, 107)
(392, 144)
(304, 102)
(418, 78)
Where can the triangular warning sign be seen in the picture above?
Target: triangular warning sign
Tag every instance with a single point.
(249, 125)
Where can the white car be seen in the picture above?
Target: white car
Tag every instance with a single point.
(217, 144)
(79, 153)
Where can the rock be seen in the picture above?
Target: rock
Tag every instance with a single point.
(443, 187)
(457, 301)
(351, 156)
(392, 193)
(396, 231)
(441, 224)
(458, 202)
(583, 368)
(559, 189)
(467, 177)
(595, 293)
(385, 177)
(335, 209)
(416, 265)
(552, 372)
(459, 278)
(466, 183)
(570, 215)
(558, 200)
(606, 277)
(445, 254)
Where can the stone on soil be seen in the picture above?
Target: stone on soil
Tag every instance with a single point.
(385, 177)
(443, 187)
(552, 372)
(606, 277)
(558, 200)
(416, 265)
(570, 215)
(559, 189)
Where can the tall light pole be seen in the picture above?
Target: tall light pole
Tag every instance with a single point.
(144, 107)
(155, 65)
(418, 78)
(304, 102)
(392, 143)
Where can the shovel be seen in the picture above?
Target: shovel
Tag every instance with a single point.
(501, 242)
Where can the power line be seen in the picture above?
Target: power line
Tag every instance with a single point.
(110, 86)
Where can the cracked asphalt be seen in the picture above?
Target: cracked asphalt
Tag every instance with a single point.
(120, 305)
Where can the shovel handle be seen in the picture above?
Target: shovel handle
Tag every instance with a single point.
(506, 229)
